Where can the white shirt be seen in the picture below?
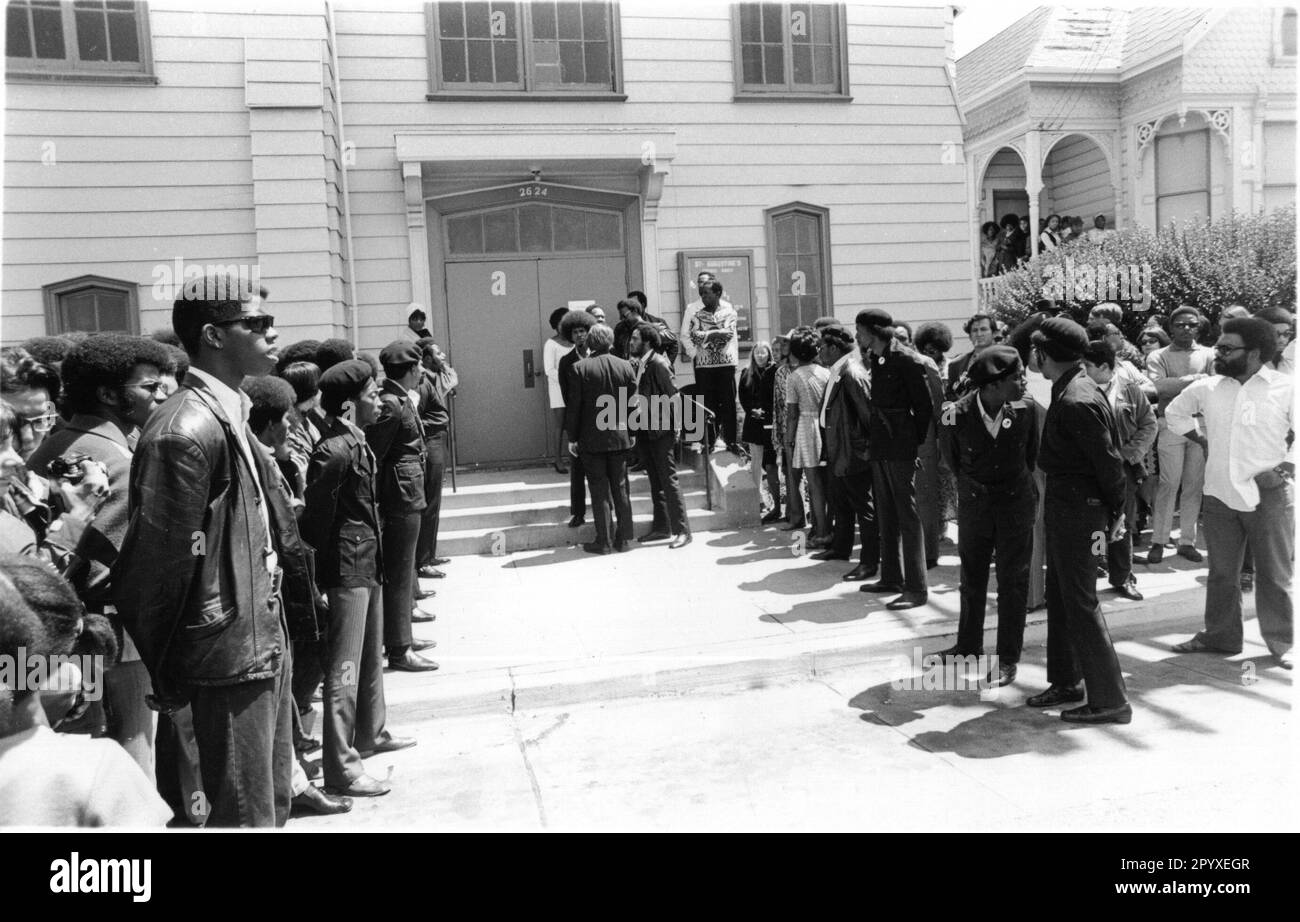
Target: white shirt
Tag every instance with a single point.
(1246, 426)
(992, 423)
(236, 406)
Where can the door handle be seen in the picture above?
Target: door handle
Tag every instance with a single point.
(529, 369)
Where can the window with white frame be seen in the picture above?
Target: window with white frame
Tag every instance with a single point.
(543, 47)
(78, 40)
(1182, 176)
(793, 49)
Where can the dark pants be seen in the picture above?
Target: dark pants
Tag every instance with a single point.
(894, 485)
(1270, 529)
(245, 740)
(308, 670)
(401, 531)
(850, 501)
(929, 498)
(1078, 643)
(435, 463)
(129, 720)
(354, 681)
(577, 487)
(717, 386)
(989, 523)
(607, 477)
(656, 455)
(1119, 554)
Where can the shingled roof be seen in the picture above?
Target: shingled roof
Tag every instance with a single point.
(1087, 41)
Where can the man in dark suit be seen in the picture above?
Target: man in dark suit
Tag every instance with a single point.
(845, 419)
(438, 382)
(573, 327)
(902, 409)
(655, 434)
(397, 439)
(1084, 507)
(980, 330)
(598, 434)
(990, 440)
(197, 583)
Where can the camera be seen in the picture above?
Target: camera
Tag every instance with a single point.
(68, 468)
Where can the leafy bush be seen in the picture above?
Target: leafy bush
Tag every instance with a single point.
(1240, 259)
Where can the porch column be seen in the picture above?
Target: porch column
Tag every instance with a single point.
(417, 237)
(1033, 184)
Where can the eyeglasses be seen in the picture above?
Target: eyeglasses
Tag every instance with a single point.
(258, 323)
(1227, 350)
(150, 386)
(1186, 326)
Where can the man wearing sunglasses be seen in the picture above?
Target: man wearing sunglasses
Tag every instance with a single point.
(197, 584)
(1182, 462)
(1246, 430)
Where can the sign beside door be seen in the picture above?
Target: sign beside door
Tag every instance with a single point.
(735, 270)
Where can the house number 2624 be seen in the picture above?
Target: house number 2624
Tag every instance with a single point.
(533, 191)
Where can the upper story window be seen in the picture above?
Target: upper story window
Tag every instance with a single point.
(90, 304)
(539, 48)
(791, 49)
(798, 263)
(1279, 164)
(1182, 176)
(81, 40)
(1284, 35)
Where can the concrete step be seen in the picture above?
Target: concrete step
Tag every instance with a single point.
(511, 488)
(553, 510)
(555, 532)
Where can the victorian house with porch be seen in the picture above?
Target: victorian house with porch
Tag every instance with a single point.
(1149, 116)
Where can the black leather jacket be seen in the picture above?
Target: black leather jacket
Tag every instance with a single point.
(191, 583)
(397, 439)
(342, 520)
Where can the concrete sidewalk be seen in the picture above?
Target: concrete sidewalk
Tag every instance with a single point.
(737, 608)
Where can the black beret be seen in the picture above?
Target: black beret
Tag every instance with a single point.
(399, 352)
(993, 363)
(1064, 334)
(345, 380)
(874, 317)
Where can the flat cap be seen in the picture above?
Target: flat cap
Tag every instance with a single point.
(994, 363)
(1064, 334)
(874, 317)
(400, 352)
(344, 381)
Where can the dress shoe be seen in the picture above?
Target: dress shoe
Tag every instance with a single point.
(422, 594)
(389, 744)
(561, 469)
(881, 586)
(955, 651)
(680, 540)
(410, 661)
(859, 573)
(1283, 660)
(1156, 554)
(655, 535)
(418, 645)
(1005, 675)
(1247, 581)
(1190, 552)
(1196, 645)
(577, 521)
(907, 600)
(774, 515)
(429, 571)
(828, 554)
(594, 547)
(440, 561)
(1102, 572)
(365, 786)
(819, 544)
(1056, 694)
(1087, 714)
(314, 800)
(420, 616)
(306, 745)
(1130, 591)
(620, 546)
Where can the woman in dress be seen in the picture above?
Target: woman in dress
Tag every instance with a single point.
(1050, 238)
(556, 347)
(988, 249)
(757, 383)
(805, 389)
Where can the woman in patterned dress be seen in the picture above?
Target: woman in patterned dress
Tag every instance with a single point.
(804, 390)
(785, 364)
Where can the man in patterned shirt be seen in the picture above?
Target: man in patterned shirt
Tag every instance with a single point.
(709, 334)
